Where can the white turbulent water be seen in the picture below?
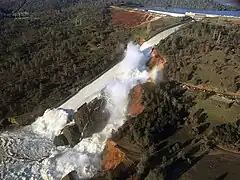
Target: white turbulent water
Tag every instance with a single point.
(36, 156)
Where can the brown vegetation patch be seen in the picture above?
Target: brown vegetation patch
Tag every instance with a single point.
(236, 20)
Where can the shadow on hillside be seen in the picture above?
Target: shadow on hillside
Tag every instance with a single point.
(222, 176)
(173, 167)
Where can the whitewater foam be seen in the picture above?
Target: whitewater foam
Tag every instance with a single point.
(51, 123)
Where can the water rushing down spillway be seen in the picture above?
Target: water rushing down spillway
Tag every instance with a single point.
(29, 152)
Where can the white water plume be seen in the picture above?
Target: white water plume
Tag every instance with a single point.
(85, 157)
(51, 123)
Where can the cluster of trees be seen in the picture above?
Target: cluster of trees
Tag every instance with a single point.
(228, 135)
(204, 52)
(39, 5)
(45, 58)
(164, 111)
(197, 124)
(197, 4)
(35, 5)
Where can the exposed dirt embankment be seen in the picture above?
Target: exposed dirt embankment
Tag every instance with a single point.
(114, 156)
(130, 18)
(135, 106)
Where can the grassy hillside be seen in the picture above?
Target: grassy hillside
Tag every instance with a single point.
(206, 54)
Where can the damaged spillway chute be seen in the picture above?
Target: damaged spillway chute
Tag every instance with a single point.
(85, 157)
(30, 151)
(80, 151)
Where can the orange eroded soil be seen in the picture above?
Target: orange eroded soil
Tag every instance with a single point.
(135, 106)
(114, 156)
(130, 18)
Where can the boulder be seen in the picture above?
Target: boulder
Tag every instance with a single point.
(71, 176)
(81, 117)
(89, 119)
(72, 134)
(60, 140)
(92, 117)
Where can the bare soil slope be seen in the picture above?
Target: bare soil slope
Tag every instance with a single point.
(130, 18)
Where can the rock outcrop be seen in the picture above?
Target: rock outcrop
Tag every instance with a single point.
(72, 134)
(71, 176)
(90, 118)
(60, 140)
